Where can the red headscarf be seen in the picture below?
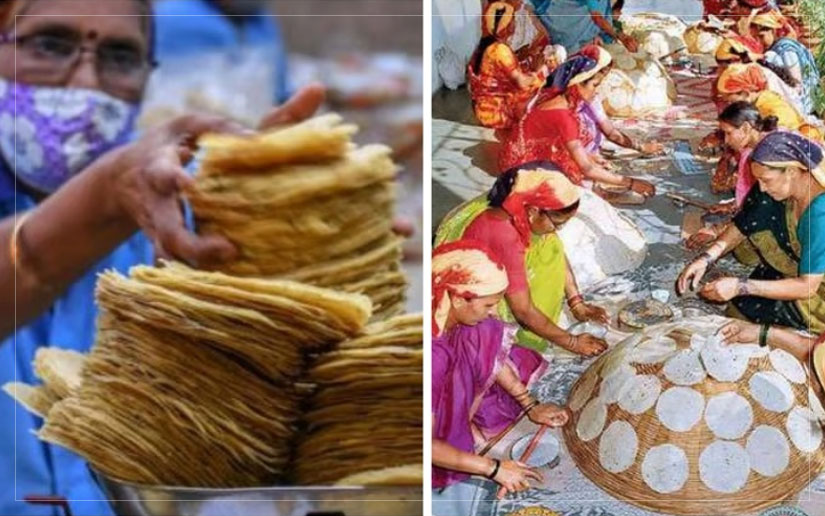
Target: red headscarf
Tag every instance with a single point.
(742, 78)
(466, 268)
(542, 189)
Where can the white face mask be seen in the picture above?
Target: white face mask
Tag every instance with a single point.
(49, 134)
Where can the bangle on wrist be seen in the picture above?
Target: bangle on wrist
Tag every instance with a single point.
(575, 301)
(709, 260)
(763, 335)
(496, 466)
(572, 341)
(742, 287)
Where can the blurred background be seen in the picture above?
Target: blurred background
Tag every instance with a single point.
(238, 58)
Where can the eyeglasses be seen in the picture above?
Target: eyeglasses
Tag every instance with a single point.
(46, 57)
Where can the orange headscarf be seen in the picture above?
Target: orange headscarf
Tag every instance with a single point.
(742, 78)
(541, 188)
(466, 268)
(732, 48)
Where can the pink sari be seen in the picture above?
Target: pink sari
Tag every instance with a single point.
(469, 407)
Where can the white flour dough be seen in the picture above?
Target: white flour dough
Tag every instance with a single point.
(788, 366)
(665, 468)
(654, 351)
(680, 408)
(618, 447)
(616, 384)
(772, 391)
(685, 368)
(804, 430)
(815, 405)
(583, 391)
(724, 363)
(728, 415)
(641, 394)
(591, 420)
(768, 450)
(724, 467)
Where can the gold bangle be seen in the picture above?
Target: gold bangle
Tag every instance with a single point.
(14, 241)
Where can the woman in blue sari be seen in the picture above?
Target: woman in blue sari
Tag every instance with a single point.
(577, 23)
(77, 196)
(791, 55)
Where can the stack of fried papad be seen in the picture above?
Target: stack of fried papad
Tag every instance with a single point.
(303, 202)
(192, 378)
(365, 421)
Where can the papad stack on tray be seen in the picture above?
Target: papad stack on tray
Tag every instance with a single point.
(303, 202)
(365, 426)
(192, 378)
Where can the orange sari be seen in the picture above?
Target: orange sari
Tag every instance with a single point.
(498, 101)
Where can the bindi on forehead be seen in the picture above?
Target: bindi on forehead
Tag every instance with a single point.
(110, 18)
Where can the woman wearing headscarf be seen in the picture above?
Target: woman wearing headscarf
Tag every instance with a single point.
(519, 220)
(789, 54)
(552, 131)
(499, 86)
(784, 219)
(74, 193)
(480, 381)
(749, 83)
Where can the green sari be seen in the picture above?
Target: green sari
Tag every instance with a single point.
(545, 263)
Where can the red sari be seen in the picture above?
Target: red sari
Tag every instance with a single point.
(543, 135)
(498, 101)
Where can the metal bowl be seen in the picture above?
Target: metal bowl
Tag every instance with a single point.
(129, 499)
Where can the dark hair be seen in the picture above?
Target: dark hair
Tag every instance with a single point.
(782, 72)
(486, 41)
(502, 187)
(618, 6)
(738, 113)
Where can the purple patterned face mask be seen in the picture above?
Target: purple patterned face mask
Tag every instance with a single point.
(49, 134)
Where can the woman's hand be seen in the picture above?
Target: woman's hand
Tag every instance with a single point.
(515, 476)
(589, 312)
(651, 148)
(588, 345)
(701, 238)
(601, 161)
(643, 188)
(723, 208)
(148, 178)
(549, 415)
(721, 290)
(629, 42)
(692, 275)
(740, 332)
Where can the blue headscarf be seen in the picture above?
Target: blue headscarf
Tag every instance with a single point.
(558, 81)
(781, 149)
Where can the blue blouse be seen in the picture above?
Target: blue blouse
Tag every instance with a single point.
(30, 466)
(811, 234)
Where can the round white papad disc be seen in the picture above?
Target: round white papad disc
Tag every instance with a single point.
(728, 415)
(618, 447)
(768, 450)
(615, 385)
(591, 420)
(685, 368)
(583, 391)
(771, 390)
(725, 363)
(680, 408)
(665, 468)
(654, 351)
(788, 366)
(804, 430)
(815, 405)
(642, 392)
(724, 467)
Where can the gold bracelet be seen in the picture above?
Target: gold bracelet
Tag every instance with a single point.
(14, 241)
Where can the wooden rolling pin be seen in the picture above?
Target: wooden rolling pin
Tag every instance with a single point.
(685, 200)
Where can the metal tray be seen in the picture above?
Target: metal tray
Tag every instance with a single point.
(140, 500)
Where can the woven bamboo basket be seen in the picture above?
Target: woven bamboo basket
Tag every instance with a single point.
(691, 495)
